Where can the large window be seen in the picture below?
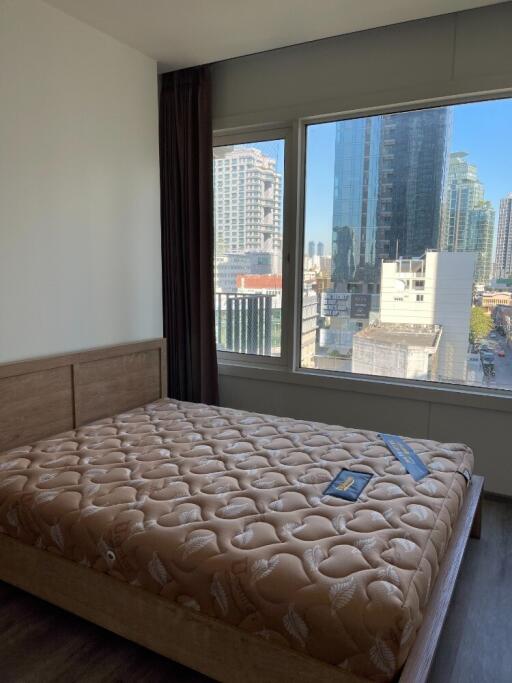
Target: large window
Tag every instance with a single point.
(407, 264)
(406, 233)
(248, 198)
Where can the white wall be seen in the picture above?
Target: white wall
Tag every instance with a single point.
(447, 293)
(460, 53)
(453, 55)
(79, 186)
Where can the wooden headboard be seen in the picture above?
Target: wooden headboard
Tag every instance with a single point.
(45, 396)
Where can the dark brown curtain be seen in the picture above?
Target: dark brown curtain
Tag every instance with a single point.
(187, 234)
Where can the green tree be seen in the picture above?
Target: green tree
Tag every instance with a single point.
(480, 325)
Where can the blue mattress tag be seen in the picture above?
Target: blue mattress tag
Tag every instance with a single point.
(348, 484)
(403, 452)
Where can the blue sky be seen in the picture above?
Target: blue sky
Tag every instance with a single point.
(319, 183)
(483, 129)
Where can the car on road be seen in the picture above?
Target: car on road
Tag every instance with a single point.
(487, 358)
(489, 370)
(501, 353)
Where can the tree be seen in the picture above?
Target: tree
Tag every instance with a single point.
(480, 325)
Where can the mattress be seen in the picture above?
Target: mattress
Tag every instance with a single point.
(224, 512)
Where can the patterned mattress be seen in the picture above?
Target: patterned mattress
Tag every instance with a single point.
(223, 511)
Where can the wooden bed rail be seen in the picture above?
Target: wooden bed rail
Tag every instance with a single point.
(46, 396)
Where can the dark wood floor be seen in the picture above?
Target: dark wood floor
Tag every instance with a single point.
(42, 644)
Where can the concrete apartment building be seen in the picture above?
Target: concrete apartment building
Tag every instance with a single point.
(420, 297)
(403, 350)
(489, 300)
(229, 266)
(248, 201)
(309, 321)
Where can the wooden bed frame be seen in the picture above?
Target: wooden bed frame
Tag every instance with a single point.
(46, 396)
(39, 398)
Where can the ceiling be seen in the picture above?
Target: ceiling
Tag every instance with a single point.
(181, 33)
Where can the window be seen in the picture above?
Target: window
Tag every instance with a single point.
(405, 202)
(249, 247)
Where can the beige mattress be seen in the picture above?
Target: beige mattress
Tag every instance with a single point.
(223, 511)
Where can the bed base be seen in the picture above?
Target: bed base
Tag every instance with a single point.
(208, 645)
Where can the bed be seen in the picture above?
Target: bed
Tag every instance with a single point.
(204, 533)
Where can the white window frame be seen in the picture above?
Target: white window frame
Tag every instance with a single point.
(288, 368)
(267, 134)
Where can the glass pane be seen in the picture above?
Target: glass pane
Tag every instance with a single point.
(248, 199)
(408, 245)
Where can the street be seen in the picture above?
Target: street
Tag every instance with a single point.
(503, 366)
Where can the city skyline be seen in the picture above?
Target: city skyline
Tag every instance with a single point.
(412, 231)
(400, 193)
(480, 129)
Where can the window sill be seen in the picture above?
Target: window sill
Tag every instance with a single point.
(482, 399)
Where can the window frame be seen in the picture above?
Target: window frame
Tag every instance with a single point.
(267, 134)
(288, 367)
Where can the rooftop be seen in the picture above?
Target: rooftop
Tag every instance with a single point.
(402, 334)
(271, 281)
(487, 295)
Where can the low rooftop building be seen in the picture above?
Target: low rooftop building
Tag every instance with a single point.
(401, 350)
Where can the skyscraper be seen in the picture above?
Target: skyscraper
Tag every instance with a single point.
(388, 183)
(355, 255)
(468, 220)
(414, 147)
(248, 197)
(388, 180)
(311, 249)
(503, 262)
(482, 232)
(320, 249)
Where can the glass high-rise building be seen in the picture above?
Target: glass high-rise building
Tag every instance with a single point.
(482, 229)
(356, 190)
(464, 191)
(468, 220)
(503, 262)
(388, 185)
(414, 148)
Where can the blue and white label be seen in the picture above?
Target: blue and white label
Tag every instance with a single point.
(348, 484)
(409, 458)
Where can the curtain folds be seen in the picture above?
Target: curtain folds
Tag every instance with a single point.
(186, 188)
